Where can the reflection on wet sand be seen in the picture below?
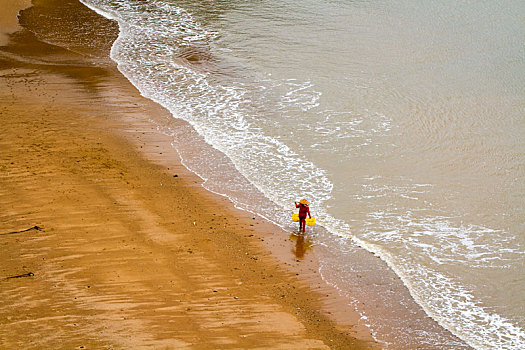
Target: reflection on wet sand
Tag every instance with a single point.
(302, 245)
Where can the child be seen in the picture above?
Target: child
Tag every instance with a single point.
(303, 210)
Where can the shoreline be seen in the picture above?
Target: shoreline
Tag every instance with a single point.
(388, 315)
(88, 168)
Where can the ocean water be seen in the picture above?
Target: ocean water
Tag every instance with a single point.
(401, 121)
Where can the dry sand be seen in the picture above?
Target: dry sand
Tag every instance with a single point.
(103, 247)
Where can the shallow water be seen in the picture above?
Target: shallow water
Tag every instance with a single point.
(402, 122)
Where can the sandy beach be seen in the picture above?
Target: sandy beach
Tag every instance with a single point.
(108, 241)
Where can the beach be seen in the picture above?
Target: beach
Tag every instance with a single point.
(108, 241)
(151, 152)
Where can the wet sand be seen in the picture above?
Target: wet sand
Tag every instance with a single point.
(8, 18)
(107, 241)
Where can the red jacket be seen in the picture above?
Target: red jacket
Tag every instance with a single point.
(303, 210)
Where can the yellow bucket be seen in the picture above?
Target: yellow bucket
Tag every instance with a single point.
(310, 221)
(295, 217)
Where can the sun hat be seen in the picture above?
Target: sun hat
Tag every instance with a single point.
(304, 201)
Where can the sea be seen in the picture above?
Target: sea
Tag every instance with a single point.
(402, 122)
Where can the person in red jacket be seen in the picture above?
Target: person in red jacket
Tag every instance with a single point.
(303, 210)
